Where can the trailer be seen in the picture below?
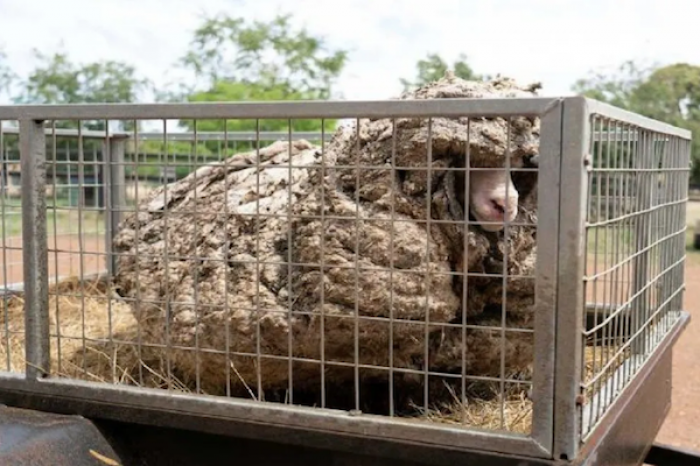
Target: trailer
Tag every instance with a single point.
(97, 373)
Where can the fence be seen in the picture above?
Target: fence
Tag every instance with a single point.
(355, 287)
(77, 188)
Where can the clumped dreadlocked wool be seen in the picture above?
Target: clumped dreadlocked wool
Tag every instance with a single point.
(404, 143)
(205, 272)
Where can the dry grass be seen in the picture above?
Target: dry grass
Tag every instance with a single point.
(513, 415)
(83, 314)
(92, 336)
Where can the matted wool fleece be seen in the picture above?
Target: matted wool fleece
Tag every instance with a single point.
(199, 262)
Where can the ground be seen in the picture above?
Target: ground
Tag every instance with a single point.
(681, 427)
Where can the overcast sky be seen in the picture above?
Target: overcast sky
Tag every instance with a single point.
(552, 41)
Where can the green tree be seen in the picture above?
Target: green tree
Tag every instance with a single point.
(274, 56)
(666, 93)
(58, 80)
(234, 59)
(7, 77)
(433, 67)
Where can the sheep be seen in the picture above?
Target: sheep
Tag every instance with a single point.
(251, 290)
(493, 198)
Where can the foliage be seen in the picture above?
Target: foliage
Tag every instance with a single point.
(668, 93)
(271, 56)
(242, 61)
(58, 80)
(433, 67)
(7, 77)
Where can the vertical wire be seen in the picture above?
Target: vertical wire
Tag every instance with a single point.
(166, 260)
(290, 245)
(356, 329)
(322, 184)
(598, 160)
(626, 229)
(631, 225)
(394, 189)
(198, 260)
(107, 210)
(615, 307)
(54, 151)
(465, 268)
(227, 272)
(426, 334)
(135, 180)
(81, 242)
(606, 271)
(504, 293)
(258, 349)
(3, 218)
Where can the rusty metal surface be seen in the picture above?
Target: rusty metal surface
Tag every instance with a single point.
(35, 438)
(626, 435)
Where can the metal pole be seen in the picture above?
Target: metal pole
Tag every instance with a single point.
(570, 292)
(115, 195)
(642, 276)
(35, 247)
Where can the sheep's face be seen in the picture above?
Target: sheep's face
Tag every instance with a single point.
(492, 198)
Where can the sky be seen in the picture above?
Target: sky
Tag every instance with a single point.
(554, 42)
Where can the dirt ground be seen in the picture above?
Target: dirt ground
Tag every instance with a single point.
(681, 427)
(65, 258)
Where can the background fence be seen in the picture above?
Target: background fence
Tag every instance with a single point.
(80, 180)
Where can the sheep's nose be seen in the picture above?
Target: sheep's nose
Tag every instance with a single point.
(505, 205)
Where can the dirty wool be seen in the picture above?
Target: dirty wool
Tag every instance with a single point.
(290, 270)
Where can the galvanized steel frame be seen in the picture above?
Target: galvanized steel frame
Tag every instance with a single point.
(558, 323)
(575, 157)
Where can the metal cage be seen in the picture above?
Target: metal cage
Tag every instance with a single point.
(608, 283)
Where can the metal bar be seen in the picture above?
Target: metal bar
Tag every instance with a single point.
(643, 235)
(615, 113)
(532, 106)
(238, 136)
(571, 257)
(64, 132)
(35, 248)
(251, 413)
(548, 181)
(115, 195)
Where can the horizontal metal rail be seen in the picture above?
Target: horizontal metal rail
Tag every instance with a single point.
(533, 106)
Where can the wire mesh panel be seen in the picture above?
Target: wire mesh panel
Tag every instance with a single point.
(384, 265)
(282, 285)
(11, 271)
(635, 251)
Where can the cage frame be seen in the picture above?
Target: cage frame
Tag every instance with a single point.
(565, 133)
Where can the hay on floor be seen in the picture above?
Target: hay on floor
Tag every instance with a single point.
(83, 314)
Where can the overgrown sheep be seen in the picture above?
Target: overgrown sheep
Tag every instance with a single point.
(357, 275)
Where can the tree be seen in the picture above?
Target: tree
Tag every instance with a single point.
(433, 67)
(7, 77)
(58, 80)
(237, 60)
(289, 62)
(669, 93)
